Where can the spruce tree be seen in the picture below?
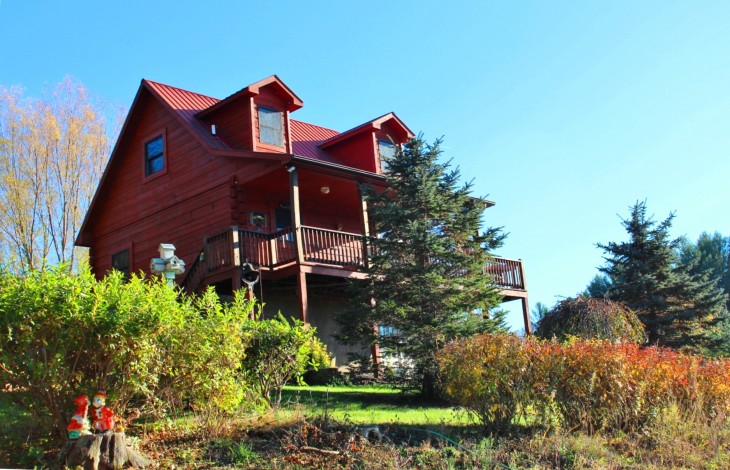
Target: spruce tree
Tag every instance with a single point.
(678, 307)
(426, 284)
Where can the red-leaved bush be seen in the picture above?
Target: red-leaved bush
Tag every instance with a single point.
(581, 385)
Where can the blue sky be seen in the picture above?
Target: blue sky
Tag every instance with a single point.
(564, 113)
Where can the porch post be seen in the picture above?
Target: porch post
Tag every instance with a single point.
(365, 222)
(526, 316)
(525, 305)
(236, 245)
(295, 210)
(296, 217)
(302, 296)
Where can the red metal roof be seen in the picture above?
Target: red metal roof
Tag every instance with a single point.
(187, 104)
(373, 124)
(307, 137)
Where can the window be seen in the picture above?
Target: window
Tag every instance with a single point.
(271, 130)
(120, 262)
(282, 217)
(259, 220)
(387, 330)
(386, 149)
(154, 156)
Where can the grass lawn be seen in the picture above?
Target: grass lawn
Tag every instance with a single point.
(371, 405)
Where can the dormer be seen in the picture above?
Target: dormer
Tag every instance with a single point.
(255, 118)
(365, 146)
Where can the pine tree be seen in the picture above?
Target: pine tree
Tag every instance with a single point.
(678, 307)
(426, 284)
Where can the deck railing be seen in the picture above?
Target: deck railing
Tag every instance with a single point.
(506, 273)
(269, 250)
(333, 247)
(218, 253)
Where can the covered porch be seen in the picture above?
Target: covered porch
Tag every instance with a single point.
(323, 252)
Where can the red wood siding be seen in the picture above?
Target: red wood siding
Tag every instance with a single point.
(191, 200)
(357, 152)
(233, 124)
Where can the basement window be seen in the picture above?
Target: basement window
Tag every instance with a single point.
(271, 129)
(120, 262)
(154, 156)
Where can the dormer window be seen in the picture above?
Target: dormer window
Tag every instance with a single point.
(386, 149)
(271, 127)
(154, 156)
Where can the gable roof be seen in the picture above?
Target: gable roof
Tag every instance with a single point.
(185, 105)
(188, 106)
(308, 140)
(293, 101)
(375, 124)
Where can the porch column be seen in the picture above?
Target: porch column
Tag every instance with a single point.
(302, 296)
(365, 223)
(236, 282)
(296, 216)
(525, 305)
(526, 316)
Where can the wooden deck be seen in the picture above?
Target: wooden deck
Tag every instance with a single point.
(333, 252)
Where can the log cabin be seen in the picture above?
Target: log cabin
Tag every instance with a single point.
(237, 181)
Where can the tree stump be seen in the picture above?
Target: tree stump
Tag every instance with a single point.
(101, 452)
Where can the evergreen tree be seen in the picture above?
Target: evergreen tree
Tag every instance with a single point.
(599, 287)
(678, 307)
(426, 284)
(711, 255)
(538, 313)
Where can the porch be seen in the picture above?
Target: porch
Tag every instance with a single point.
(313, 250)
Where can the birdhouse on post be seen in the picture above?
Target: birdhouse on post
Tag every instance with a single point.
(167, 265)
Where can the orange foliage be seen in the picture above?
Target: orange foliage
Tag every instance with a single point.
(587, 385)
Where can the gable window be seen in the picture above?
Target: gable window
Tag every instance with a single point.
(386, 149)
(271, 130)
(154, 156)
(120, 262)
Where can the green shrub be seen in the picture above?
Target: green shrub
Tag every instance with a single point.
(279, 351)
(585, 318)
(203, 354)
(64, 334)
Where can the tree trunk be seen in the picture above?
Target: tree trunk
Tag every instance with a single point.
(428, 385)
(101, 452)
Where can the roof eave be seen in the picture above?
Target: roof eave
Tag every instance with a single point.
(335, 168)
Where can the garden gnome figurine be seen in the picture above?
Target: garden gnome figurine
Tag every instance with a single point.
(79, 424)
(103, 417)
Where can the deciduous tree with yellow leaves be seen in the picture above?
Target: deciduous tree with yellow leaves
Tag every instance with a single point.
(52, 153)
